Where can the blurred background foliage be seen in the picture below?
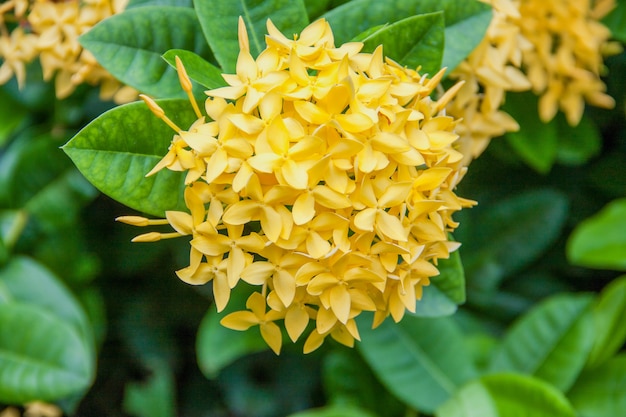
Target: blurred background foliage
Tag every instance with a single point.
(546, 243)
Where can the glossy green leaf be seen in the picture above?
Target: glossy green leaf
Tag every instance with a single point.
(27, 281)
(42, 356)
(536, 143)
(507, 395)
(600, 392)
(600, 240)
(198, 69)
(445, 291)
(334, 411)
(551, 342)
(142, 3)
(116, 150)
(414, 41)
(609, 316)
(213, 337)
(466, 22)
(219, 23)
(420, 360)
(502, 238)
(154, 397)
(129, 45)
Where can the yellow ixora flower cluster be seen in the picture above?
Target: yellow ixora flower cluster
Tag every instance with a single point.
(554, 48)
(325, 177)
(49, 30)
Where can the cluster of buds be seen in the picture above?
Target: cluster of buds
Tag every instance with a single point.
(324, 177)
(49, 30)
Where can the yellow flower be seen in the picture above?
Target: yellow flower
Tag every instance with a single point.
(325, 179)
(53, 31)
(553, 48)
(243, 320)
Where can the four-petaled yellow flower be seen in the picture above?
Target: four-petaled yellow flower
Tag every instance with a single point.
(323, 177)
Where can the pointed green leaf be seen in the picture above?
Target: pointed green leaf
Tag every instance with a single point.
(199, 70)
(420, 360)
(42, 356)
(445, 291)
(116, 150)
(600, 241)
(507, 395)
(600, 392)
(466, 22)
(414, 41)
(213, 337)
(551, 341)
(219, 23)
(129, 45)
(609, 316)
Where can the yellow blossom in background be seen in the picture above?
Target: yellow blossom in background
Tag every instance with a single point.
(322, 176)
(49, 30)
(554, 48)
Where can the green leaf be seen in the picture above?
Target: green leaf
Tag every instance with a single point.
(219, 23)
(414, 41)
(199, 70)
(213, 337)
(445, 291)
(600, 240)
(507, 395)
(116, 150)
(142, 3)
(26, 281)
(420, 360)
(42, 356)
(334, 411)
(466, 22)
(616, 21)
(609, 316)
(154, 397)
(503, 238)
(550, 342)
(536, 143)
(129, 45)
(577, 144)
(314, 8)
(599, 392)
